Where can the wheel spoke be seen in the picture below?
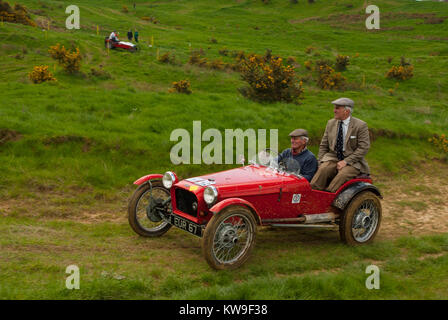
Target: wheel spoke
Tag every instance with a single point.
(365, 221)
(231, 239)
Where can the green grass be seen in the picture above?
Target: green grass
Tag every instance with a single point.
(129, 118)
(289, 264)
(84, 140)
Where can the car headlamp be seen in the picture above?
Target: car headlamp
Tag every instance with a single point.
(168, 179)
(210, 195)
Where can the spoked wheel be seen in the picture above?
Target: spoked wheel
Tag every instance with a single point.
(361, 220)
(229, 238)
(145, 207)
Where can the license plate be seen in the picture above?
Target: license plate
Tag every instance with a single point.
(185, 224)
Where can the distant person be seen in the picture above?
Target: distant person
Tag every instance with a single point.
(114, 36)
(136, 36)
(130, 35)
(342, 149)
(300, 153)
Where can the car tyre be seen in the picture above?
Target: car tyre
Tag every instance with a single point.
(229, 238)
(361, 220)
(155, 229)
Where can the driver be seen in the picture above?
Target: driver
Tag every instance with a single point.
(113, 36)
(300, 153)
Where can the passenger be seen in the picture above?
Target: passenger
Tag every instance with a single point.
(342, 149)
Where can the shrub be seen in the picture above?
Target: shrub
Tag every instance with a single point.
(342, 62)
(167, 58)
(69, 60)
(440, 142)
(400, 72)
(72, 61)
(270, 82)
(217, 64)
(182, 86)
(309, 49)
(18, 14)
(41, 74)
(58, 53)
(404, 71)
(329, 79)
(196, 59)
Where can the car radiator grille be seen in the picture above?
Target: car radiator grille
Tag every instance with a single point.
(185, 201)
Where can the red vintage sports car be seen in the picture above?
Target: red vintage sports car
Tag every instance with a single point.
(225, 208)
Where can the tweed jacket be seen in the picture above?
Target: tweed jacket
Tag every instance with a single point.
(356, 144)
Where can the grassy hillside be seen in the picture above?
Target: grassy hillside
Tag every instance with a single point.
(127, 120)
(83, 139)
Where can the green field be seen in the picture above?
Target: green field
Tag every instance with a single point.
(70, 149)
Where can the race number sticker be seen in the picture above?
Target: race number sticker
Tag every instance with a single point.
(296, 198)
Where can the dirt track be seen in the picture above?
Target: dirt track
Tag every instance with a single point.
(414, 205)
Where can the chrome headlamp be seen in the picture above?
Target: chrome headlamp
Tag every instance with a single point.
(210, 195)
(168, 179)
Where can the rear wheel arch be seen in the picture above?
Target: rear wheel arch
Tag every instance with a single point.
(345, 197)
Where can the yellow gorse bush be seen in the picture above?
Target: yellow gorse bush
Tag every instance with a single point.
(440, 142)
(400, 72)
(270, 80)
(69, 60)
(18, 14)
(182, 86)
(342, 62)
(41, 74)
(167, 57)
(329, 79)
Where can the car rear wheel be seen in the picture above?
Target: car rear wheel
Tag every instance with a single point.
(229, 238)
(361, 220)
(144, 207)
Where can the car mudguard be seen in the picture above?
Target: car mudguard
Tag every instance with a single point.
(235, 201)
(143, 179)
(345, 196)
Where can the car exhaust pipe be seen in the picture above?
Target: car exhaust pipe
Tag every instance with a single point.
(320, 217)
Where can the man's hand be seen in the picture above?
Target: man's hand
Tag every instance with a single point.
(341, 164)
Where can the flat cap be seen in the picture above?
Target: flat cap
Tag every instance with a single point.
(299, 133)
(344, 102)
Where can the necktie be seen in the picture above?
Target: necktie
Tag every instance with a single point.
(340, 143)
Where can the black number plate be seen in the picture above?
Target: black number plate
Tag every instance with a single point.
(185, 224)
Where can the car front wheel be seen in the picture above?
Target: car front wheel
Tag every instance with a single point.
(229, 238)
(144, 209)
(361, 220)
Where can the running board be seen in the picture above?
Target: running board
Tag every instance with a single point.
(304, 225)
(305, 219)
